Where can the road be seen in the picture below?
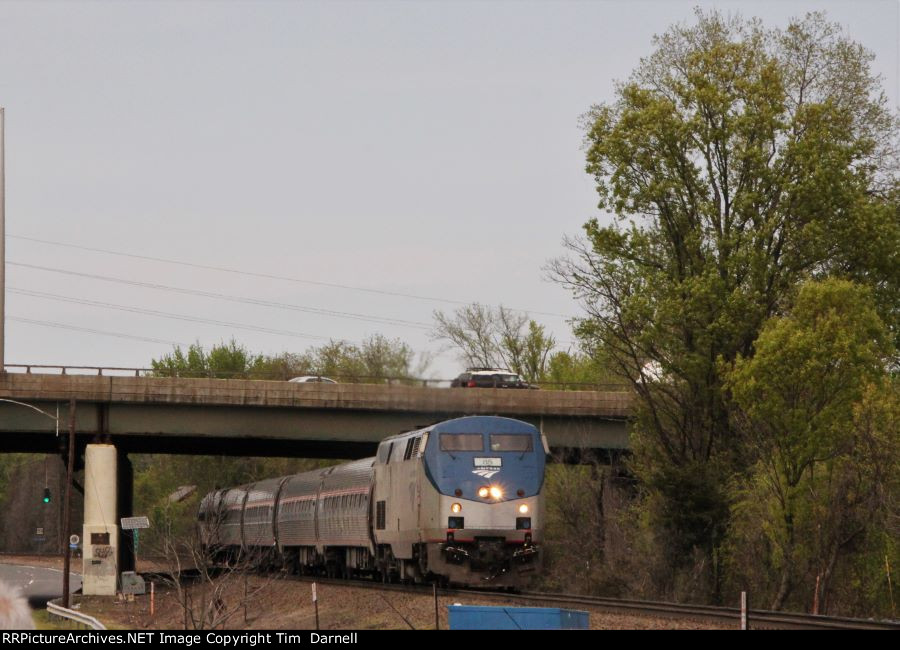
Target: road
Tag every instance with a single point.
(38, 584)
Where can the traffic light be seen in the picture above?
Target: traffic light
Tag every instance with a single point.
(46, 495)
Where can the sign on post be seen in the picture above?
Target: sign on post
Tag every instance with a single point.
(135, 523)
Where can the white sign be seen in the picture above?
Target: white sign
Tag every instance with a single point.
(488, 463)
(132, 523)
(74, 539)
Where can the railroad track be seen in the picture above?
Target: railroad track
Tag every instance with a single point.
(758, 619)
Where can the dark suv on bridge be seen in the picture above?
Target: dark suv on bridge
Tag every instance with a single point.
(489, 378)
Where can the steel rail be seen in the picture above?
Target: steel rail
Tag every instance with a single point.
(704, 613)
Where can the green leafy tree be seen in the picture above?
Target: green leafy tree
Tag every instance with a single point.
(226, 360)
(737, 161)
(812, 405)
(374, 359)
(576, 370)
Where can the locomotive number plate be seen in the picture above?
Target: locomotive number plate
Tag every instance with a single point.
(488, 463)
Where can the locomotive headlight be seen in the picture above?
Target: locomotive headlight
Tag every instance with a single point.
(483, 492)
(455, 508)
(523, 509)
(496, 493)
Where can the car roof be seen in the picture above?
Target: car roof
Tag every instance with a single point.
(311, 378)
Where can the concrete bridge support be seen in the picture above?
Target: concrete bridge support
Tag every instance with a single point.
(101, 530)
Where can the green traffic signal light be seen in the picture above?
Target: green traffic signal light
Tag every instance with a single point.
(46, 495)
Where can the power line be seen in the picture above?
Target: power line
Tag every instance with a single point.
(89, 330)
(269, 276)
(161, 314)
(223, 296)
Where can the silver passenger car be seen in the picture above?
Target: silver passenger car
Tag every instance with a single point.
(343, 505)
(232, 513)
(296, 515)
(259, 509)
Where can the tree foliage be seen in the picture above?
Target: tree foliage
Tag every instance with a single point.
(737, 162)
(375, 358)
(820, 415)
(497, 338)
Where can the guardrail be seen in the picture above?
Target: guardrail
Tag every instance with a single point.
(55, 609)
(283, 375)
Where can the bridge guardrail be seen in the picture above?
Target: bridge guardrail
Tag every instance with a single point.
(284, 376)
(55, 609)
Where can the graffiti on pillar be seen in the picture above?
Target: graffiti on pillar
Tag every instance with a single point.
(101, 552)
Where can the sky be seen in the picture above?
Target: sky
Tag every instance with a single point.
(364, 164)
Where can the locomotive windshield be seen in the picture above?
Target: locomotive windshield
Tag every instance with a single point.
(511, 442)
(462, 442)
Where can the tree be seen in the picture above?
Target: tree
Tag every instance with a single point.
(226, 360)
(737, 162)
(580, 370)
(374, 359)
(209, 593)
(812, 402)
(500, 337)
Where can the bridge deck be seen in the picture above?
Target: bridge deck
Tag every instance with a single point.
(181, 415)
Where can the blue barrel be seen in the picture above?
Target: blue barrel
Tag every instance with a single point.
(471, 617)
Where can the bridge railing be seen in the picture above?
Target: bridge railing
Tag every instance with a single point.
(279, 375)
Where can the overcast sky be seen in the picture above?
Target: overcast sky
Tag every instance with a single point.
(422, 148)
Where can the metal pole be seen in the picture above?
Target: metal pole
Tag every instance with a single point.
(70, 467)
(745, 611)
(2, 246)
(315, 598)
(437, 616)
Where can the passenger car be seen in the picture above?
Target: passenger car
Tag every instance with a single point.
(312, 379)
(489, 378)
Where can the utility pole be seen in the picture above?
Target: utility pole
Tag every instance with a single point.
(2, 247)
(70, 468)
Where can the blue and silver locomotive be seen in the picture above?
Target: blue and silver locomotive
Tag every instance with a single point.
(459, 501)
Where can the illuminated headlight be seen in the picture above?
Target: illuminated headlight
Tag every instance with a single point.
(522, 509)
(483, 492)
(496, 493)
(455, 508)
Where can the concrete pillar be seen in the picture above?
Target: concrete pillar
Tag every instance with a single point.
(101, 532)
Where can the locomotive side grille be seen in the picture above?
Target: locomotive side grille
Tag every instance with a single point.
(379, 515)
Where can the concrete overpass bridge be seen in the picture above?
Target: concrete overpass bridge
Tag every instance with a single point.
(275, 418)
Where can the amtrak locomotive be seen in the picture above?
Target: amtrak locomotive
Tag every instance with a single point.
(458, 502)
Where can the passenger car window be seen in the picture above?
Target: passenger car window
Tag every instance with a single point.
(511, 442)
(462, 442)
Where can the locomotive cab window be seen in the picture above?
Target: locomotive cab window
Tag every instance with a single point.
(462, 442)
(511, 442)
